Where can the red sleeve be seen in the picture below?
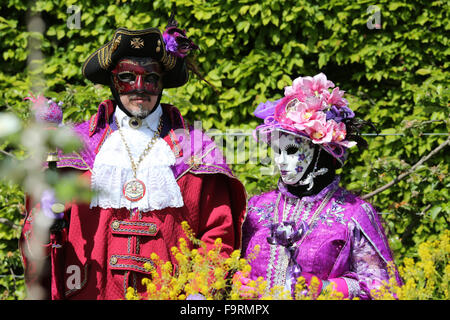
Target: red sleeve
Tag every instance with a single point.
(32, 274)
(216, 216)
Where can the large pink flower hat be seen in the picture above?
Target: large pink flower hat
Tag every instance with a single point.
(312, 107)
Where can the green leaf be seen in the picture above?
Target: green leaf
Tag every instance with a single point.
(423, 71)
(434, 211)
(422, 19)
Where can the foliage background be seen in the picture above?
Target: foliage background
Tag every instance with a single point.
(396, 76)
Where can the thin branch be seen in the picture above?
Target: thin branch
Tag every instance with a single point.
(424, 210)
(411, 170)
(9, 223)
(7, 153)
(14, 278)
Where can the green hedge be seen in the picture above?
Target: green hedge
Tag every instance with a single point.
(395, 75)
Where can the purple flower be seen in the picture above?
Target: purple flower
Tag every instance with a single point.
(339, 114)
(285, 233)
(52, 114)
(171, 43)
(177, 43)
(347, 112)
(265, 109)
(46, 110)
(197, 296)
(175, 39)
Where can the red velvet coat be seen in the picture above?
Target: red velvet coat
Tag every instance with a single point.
(107, 248)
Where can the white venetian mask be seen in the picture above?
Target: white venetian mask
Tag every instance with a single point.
(292, 155)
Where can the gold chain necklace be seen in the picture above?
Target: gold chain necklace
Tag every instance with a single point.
(134, 190)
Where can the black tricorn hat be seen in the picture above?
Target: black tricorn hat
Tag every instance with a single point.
(135, 43)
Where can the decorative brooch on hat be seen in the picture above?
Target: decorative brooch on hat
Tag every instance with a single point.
(310, 109)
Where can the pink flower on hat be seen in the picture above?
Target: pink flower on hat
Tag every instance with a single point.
(335, 98)
(339, 131)
(339, 134)
(303, 113)
(320, 131)
(309, 108)
(315, 85)
(296, 88)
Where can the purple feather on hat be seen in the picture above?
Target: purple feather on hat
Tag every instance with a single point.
(176, 41)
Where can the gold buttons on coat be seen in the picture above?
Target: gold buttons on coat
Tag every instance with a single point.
(115, 225)
(113, 260)
(152, 228)
(58, 208)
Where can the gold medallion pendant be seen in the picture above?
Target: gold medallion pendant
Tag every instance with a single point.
(134, 190)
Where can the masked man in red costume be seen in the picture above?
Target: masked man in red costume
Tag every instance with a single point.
(148, 169)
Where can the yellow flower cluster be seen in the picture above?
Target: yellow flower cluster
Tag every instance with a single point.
(211, 275)
(198, 271)
(426, 277)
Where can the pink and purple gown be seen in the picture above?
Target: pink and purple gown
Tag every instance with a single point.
(343, 239)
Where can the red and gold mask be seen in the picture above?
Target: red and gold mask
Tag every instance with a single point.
(138, 75)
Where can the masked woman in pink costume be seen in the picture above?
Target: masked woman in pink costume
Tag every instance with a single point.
(309, 226)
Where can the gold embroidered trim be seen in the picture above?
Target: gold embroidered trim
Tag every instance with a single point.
(168, 61)
(82, 159)
(197, 162)
(104, 54)
(116, 43)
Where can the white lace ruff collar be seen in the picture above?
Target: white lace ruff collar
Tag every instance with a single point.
(112, 169)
